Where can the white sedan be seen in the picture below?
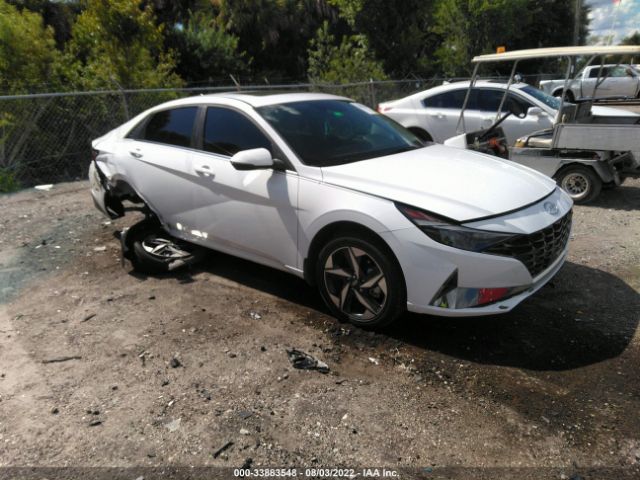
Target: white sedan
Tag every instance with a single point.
(329, 190)
(433, 114)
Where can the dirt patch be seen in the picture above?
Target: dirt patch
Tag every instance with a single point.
(169, 370)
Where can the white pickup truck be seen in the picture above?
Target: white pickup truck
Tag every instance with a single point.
(615, 81)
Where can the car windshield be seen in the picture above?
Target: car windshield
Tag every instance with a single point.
(334, 132)
(545, 98)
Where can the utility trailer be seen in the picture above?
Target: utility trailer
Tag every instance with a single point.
(582, 152)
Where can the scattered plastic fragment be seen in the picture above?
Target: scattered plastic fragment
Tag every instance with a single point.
(217, 453)
(304, 361)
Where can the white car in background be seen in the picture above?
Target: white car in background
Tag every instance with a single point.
(612, 81)
(327, 189)
(433, 114)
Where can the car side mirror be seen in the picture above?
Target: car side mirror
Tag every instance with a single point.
(254, 159)
(515, 108)
(534, 112)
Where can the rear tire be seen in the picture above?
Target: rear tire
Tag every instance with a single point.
(155, 251)
(360, 281)
(581, 183)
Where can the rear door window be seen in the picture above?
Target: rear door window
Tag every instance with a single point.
(228, 132)
(452, 99)
(489, 101)
(593, 73)
(171, 127)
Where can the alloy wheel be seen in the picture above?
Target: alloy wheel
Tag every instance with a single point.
(163, 247)
(356, 284)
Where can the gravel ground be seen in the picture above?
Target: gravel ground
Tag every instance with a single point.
(101, 367)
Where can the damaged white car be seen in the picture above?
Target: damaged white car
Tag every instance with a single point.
(329, 190)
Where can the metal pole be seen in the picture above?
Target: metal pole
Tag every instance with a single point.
(466, 100)
(506, 91)
(576, 22)
(564, 89)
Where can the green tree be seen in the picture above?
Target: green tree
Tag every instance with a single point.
(472, 27)
(58, 15)
(350, 9)
(344, 62)
(115, 43)
(275, 34)
(176, 12)
(633, 39)
(206, 50)
(404, 47)
(550, 24)
(28, 57)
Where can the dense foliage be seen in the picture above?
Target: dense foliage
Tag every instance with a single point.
(110, 44)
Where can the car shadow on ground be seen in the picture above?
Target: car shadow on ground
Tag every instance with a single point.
(625, 197)
(584, 316)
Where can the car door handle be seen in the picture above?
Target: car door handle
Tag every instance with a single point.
(136, 154)
(204, 170)
(437, 115)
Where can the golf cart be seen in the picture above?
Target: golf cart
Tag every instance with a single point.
(582, 152)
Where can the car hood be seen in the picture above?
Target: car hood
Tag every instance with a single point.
(452, 182)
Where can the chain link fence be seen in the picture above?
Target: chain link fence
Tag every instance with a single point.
(45, 138)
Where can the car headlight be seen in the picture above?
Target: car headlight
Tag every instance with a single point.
(449, 233)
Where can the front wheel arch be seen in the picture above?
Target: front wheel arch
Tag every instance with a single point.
(589, 172)
(421, 133)
(326, 233)
(569, 97)
(373, 303)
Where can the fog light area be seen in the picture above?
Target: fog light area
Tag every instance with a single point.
(458, 297)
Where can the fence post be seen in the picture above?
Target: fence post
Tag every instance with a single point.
(125, 105)
(2, 141)
(372, 91)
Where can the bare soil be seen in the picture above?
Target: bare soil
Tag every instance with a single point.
(550, 388)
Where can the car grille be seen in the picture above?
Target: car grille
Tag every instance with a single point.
(537, 250)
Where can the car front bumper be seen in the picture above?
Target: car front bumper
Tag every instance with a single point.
(502, 306)
(432, 269)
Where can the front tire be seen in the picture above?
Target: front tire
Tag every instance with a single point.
(360, 281)
(581, 183)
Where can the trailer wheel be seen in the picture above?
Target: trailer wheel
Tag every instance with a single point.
(581, 183)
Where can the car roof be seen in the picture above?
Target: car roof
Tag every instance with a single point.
(485, 83)
(258, 98)
(464, 84)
